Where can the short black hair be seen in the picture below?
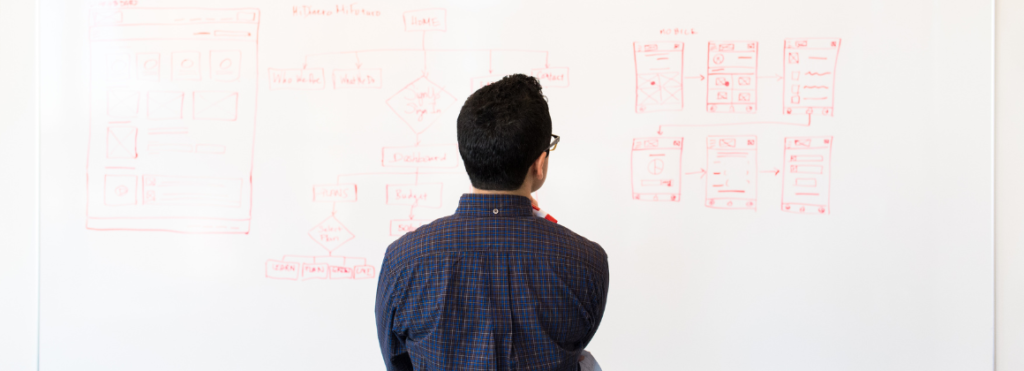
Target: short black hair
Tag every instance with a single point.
(502, 129)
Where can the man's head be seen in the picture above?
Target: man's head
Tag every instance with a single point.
(504, 130)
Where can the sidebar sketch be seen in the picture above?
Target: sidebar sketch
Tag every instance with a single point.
(172, 121)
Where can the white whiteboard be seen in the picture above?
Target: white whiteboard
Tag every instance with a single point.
(797, 185)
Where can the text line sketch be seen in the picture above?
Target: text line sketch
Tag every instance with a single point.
(732, 76)
(807, 173)
(731, 172)
(656, 169)
(172, 119)
(809, 73)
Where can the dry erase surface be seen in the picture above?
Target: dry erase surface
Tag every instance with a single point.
(792, 185)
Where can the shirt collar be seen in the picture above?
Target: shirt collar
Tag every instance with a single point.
(493, 205)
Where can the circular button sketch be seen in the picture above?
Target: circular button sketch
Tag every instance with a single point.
(656, 166)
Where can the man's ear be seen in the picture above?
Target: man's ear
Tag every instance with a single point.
(538, 167)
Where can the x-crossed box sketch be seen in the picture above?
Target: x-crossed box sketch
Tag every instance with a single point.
(172, 119)
(656, 168)
(659, 76)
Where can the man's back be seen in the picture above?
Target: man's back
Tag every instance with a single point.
(490, 288)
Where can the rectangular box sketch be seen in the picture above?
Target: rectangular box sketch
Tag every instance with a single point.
(554, 77)
(809, 75)
(335, 193)
(656, 168)
(119, 190)
(358, 78)
(481, 81)
(147, 66)
(806, 175)
(403, 226)
(420, 195)
(732, 172)
(426, 20)
(185, 66)
(296, 79)
(215, 105)
(122, 142)
(283, 270)
(160, 80)
(659, 76)
(164, 105)
(732, 76)
(119, 67)
(437, 156)
(225, 65)
(176, 190)
(122, 103)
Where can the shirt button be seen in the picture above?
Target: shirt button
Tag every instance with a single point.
(495, 211)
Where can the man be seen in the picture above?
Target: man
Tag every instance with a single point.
(493, 287)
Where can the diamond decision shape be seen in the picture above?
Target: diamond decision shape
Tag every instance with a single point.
(420, 103)
(331, 234)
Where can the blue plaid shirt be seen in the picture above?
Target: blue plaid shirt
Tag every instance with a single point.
(492, 287)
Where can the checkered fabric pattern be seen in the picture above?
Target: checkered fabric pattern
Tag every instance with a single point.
(492, 287)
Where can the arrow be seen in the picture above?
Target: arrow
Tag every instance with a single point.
(661, 127)
(424, 53)
(490, 62)
(776, 171)
(410, 212)
(358, 63)
(776, 76)
(701, 77)
(701, 172)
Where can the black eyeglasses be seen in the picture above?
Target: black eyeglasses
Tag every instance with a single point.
(554, 143)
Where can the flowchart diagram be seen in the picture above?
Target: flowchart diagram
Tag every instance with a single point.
(423, 166)
(731, 171)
